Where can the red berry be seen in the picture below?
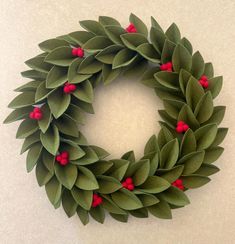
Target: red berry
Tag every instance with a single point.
(37, 110)
(94, 204)
(64, 154)
(95, 196)
(204, 78)
(129, 180)
(178, 182)
(80, 52)
(124, 184)
(169, 70)
(179, 129)
(38, 115)
(66, 89)
(74, 52)
(130, 187)
(72, 87)
(99, 200)
(169, 65)
(64, 161)
(206, 84)
(163, 67)
(180, 123)
(131, 28)
(31, 115)
(185, 127)
(58, 158)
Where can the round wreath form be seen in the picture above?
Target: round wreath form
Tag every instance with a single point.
(53, 104)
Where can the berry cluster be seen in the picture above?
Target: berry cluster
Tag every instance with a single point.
(131, 28)
(181, 127)
(128, 184)
(97, 200)
(63, 158)
(204, 81)
(36, 114)
(69, 88)
(78, 52)
(179, 184)
(166, 67)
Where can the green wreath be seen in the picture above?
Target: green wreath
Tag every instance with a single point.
(52, 107)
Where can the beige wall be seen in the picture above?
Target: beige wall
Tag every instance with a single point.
(128, 111)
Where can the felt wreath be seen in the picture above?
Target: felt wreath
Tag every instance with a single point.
(52, 107)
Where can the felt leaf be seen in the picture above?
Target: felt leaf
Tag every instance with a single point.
(108, 184)
(215, 85)
(194, 181)
(29, 141)
(167, 51)
(204, 108)
(106, 20)
(157, 38)
(125, 199)
(18, 114)
(153, 159)
(123, 58)
(164, 136)
(188, 117)
(51, 140)
(169, 154)
(151, 145)
(148, 199)
(75, 113)
(192, 162)
(173, 107)
(42, 92)
(93, 27)
(48, 160)
(82, 197)
(169, 121)
(173, 33)
(53, 190)
(170, 174)
(161, 210)
(217, 115)
(209, 70)
(26, 128)
(83, 215)
(75, 152)
(56, 77)
(205, 136)
(154, 184)
(188, 143)
(100, 167)
(81, 37)
(37, 63)
(155, 24)
(120, 217)
(114, 32)
(139, 213)
(141, 173)
(139, 24)
(186, 43)
(34, 74)
(89, 65)
(58, 102)
(212, 154)
(85, 179)
(33, 156)
(148, 77)
(197, 65)
(100, 152)
(184, 77)
(109, 74)
(97, 214)
(168, 79)
(23, 100)
(133, 40)
(68, 203)
(175, 196)
(221, 133)
(52, 44)
(67, 126)
(119, 168)
(61, 56)
(68, 39)
(87, 107)
(46, 120)
(43, 175)
(66, 175)
(110, 206)
(89, 157)
(29, 86)
(147, 51)
(207, 170)
(136, 67)
(97, 44)
(181, 59)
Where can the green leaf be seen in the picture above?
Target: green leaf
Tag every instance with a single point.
(106, 20)
(215, 85)
(42, 92)
(157, 38)
(221, 133)
(212, 154)
(89, 65)
(148, 199)
(33, 156)
(169, 121)
(167, 51)
(173, 107)
(66, 175)
(93, 27)
(184, 77)
(155, 24)
(119, 168)
(108, 184)
(164, 136)
(89, 157)
(46, 120)
(141, 173)
(169, 154)
(51, 140)
(186, 43)
(217, 115)
(58, 102)
(56, 77)
(98, 214)
(139, 213)
(205, 136)
(81, 37)
(127, 200)
(175, 196)
(48, 160)
(207, 170)
(100, 167)
(23, 100)
(67, 126)
(52, 44)
(43, 175)
(34, 74)
(197, 65)
(124, 58)
(18, 114)
(100, 152)
(109, 74)
(170, 174)
(120, 217)
(151, 145)
(114, 32)
(87, 107)
(61, 56)
(139, 24)
(148, 77)
(168, 79)
(82, 197)
(194, 181)
(75, 152)
(97, 44)
(181, 59)
(69, 204)
(110, 206)
(153, 158)
(85, 179)
(133, 40)
(154, 184)
(26, 128)
(129, 156)
(173, 33)
(83, 215)
(204, 108)
(209, 71)
(29, 86)
(29, 141)
(37, 63)
(53, 190)
(75, 113)
(161, 210)
(107, 55)
(188, 143)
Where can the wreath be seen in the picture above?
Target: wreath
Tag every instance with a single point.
(79, 176)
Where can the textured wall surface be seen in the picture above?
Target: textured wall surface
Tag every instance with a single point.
(126, 109)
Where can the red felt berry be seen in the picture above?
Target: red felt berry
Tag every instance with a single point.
(75, 52)
(66, 89)
(64, 161)
(169, 65)
(131, 28)
(99, 200)
(58, 158)
(130, 187)
(204, 78)
(64, 154)
(72, 87)
(185, 127)
(38, 116)
(37, 110)
(124, 184)
(179, 129)
(166, 67)
(129, 180)
(179, 182)
(80, 52)
(180, 123)
(206, 84)
(31, 115)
